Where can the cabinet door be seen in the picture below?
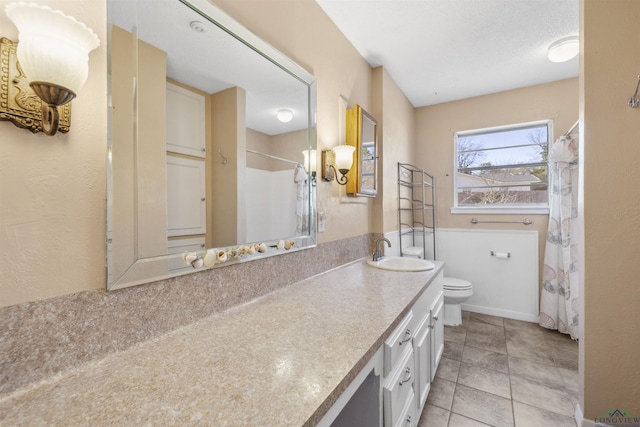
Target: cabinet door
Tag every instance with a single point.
(437, 333)
(185, 121)
(186, 206)
(422, 350)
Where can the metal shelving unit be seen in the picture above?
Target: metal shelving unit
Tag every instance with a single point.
(416, 211)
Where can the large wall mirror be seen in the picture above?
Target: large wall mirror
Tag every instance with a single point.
(208, 125)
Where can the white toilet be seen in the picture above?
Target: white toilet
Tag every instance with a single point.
(456, 291)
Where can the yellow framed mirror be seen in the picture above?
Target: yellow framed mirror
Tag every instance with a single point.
(362, 134)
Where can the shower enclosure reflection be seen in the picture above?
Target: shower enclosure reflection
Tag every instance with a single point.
(198, 158)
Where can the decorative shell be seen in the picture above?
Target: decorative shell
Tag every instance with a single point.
(222, 256)
(280, 244)
(251, 249)
(262, 248)
(210, 258)
(197, 263)
(289, 244)
(189, 258)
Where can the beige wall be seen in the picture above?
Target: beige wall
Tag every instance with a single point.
(52, 189)
(610, 350)
(302, 31)
(229, 136)
(396, 136)
(436, 125)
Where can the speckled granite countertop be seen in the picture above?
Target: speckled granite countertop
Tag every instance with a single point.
(280, 360)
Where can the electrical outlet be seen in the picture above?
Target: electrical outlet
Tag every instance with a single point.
(321, 221)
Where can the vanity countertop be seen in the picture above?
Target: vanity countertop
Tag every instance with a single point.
(280, 360)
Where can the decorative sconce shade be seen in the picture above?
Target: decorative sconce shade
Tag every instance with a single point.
(310, 164)
(284, 115)
(340, 158)
(344, 157)
(564, 49)
(53, 51)
(310, 160)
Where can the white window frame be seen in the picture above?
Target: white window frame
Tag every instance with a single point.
(497, 209)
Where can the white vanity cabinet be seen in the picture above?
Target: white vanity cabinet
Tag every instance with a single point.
(416, 363)
(408, 360)
(398, 392)
(422, 349)
(437, 332)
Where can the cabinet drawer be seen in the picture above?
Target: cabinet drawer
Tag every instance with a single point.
(398, 388)
(398, 342)
(409, 416)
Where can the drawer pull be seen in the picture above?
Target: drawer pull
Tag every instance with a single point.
(435, 317)
(407, 376)
(407, 334)
(408, 420)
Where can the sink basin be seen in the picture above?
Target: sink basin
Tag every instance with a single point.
(402, 264)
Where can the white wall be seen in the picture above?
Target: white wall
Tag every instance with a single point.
(271, 204)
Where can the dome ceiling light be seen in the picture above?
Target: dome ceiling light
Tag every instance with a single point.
(284, 115)
(564, 49)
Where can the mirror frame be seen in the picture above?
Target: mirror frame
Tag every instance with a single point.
(137, 273)
(356, 117)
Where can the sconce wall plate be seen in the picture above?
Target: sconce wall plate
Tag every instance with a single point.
(328, 159)
(18, 102)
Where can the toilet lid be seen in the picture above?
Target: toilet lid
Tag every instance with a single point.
(457, 284)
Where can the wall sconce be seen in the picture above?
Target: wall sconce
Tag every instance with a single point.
(340, 158)
(310, 164)
(53, 54)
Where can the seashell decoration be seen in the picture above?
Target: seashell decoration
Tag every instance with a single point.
(289, 244)
(262, 248)
(251, 249)
(189, 257)
(222, 256)
(280, 244)
(197, 263)
(210, 258)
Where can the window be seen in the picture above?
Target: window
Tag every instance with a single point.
(502, 168)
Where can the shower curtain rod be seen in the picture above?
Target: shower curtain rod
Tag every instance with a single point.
(274, 157)
(572, 128)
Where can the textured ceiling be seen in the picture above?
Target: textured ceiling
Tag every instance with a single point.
(444, 50)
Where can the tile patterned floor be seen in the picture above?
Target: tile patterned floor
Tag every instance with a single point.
(503, 372)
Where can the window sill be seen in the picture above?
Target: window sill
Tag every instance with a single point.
(494, 210)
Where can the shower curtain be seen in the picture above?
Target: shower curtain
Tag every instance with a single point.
(559, 296)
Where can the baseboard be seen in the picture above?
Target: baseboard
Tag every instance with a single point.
(580, 421)
(501, 313)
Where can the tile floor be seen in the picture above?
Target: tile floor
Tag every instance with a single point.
(503, 372)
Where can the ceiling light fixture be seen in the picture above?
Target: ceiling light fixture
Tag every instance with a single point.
(284, 115)
(197, 26)
(564, 49)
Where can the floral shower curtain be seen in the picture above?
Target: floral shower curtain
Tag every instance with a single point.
(559, 299)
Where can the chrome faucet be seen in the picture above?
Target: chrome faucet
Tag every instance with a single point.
(377, 254)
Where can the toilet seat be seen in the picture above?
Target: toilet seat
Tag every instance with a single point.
(455, 284)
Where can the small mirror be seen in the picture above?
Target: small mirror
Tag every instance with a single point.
(362, 134)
